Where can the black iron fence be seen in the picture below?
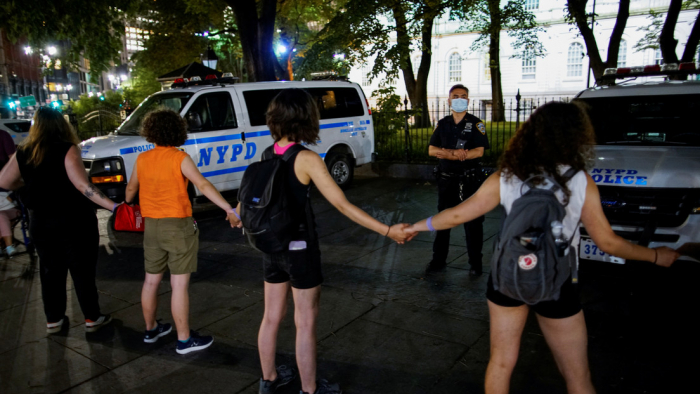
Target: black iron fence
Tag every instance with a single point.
(404, 134)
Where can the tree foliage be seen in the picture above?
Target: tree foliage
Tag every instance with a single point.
(93, 28)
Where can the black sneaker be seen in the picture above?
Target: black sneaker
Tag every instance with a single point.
(194, 344)
(161, 330)
(284, 376)
(434, 267)
(92, 326)
(323, 387)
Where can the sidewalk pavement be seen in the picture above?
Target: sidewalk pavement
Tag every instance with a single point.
(383, 327)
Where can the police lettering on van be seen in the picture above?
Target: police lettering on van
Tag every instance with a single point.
(227, 132)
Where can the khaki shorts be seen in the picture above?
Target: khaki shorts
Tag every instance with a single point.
(170, 243)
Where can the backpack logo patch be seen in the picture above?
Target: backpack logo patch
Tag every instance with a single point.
(256, 199)
(528, 261)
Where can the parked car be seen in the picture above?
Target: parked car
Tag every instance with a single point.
(17, 128)
(647, 164)
(227, 131)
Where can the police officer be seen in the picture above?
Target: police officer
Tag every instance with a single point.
(458, 142)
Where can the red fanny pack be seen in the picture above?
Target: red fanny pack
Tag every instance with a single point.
(128, 218)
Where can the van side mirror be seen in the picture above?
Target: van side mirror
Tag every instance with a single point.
(194, 121)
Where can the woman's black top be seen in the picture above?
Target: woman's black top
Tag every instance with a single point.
(48, 190)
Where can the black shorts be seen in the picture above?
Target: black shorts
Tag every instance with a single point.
(567, 305)
(301, 267)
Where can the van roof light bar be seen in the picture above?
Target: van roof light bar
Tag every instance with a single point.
(669, 69)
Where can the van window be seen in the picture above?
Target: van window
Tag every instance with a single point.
(332, 103)
(19, 127)
(215, 112)
(645, 120)
(174, 101)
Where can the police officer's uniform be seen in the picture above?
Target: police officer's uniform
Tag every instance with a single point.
(457, 181)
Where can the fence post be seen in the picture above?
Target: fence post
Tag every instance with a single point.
(405, 107)
(517, 109)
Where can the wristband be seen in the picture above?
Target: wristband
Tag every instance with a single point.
(429, 223)
(656, 255)
(387, 231)
(114, 207)
(235, 213)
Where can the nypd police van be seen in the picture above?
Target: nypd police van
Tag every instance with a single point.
(647, 163)
(227, 131)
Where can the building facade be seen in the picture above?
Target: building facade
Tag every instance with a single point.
(20, 76)
(561, 73)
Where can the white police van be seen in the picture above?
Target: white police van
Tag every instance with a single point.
(227, 131)
(647, 164)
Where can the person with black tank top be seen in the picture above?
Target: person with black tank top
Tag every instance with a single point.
(63, 226)
(293, 118)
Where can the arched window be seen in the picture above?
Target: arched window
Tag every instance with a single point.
(365, 75)
(416, 65)
(529, 65)
(622, 54)
(574, 62)
(455, 67)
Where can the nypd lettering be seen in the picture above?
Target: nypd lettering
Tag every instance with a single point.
(618, 176)
(223, 152)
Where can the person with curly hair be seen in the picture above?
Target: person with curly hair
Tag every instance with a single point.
(63, 227)
(558, 136)
(171, 237)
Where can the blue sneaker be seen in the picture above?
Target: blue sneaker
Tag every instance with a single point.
(161, 330)
(194, 344)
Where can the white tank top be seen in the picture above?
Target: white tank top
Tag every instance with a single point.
(510, 191)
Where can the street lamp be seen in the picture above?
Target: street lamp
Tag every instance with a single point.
(210, 59)
(52, 50)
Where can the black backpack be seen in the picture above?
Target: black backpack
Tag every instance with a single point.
(532, 259)
(269, 221)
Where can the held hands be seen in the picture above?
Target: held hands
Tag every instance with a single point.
(397, 233)
(665, 256)
(233, 220)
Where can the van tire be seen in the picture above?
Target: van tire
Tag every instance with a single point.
(341, 169)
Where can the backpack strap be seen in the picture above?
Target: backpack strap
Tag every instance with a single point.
(292, 151)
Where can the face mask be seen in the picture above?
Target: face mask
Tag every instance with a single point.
(460, 105)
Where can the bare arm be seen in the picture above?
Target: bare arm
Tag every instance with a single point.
(599, 229)
(76, 173)
(484, 200)
(310, 167)
(10, 177)
(132, 187)
(190, 171)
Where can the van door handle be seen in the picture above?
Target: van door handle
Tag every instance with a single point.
(243, 136)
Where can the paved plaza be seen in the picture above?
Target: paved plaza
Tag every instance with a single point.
(383, 326)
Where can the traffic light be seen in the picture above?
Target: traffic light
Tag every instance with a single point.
(55, 104)
(11, 104)
(102, 98)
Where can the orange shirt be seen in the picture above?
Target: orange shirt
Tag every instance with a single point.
(162, 187)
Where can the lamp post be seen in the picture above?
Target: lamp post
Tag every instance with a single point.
(209, 58)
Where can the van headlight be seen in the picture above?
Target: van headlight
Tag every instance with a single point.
(107, 171)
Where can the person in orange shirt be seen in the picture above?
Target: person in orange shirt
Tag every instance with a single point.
(171, 237)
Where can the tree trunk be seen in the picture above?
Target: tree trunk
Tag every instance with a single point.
(666, 40)
(256, 33)
(691, 46)
(497, 114)
(416, 85)
(577, 11)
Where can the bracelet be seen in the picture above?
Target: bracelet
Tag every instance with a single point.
(429, 223)
(233, 210)
(656, 255)
(114, 207)
(387, 231)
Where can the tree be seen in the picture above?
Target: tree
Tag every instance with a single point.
(93, 28)
(488, 18)
(364, 31)
(668, 42)
(255, 20)
(576, 14)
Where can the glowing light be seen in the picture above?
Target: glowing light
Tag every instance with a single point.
(110, 77)
(69, 87)
(52, 50)
(55, 104)
(281, 48)
(122, 77)
(12, 105)
(339, 56)
(28, 50)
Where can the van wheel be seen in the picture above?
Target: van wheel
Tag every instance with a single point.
(341, 169)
